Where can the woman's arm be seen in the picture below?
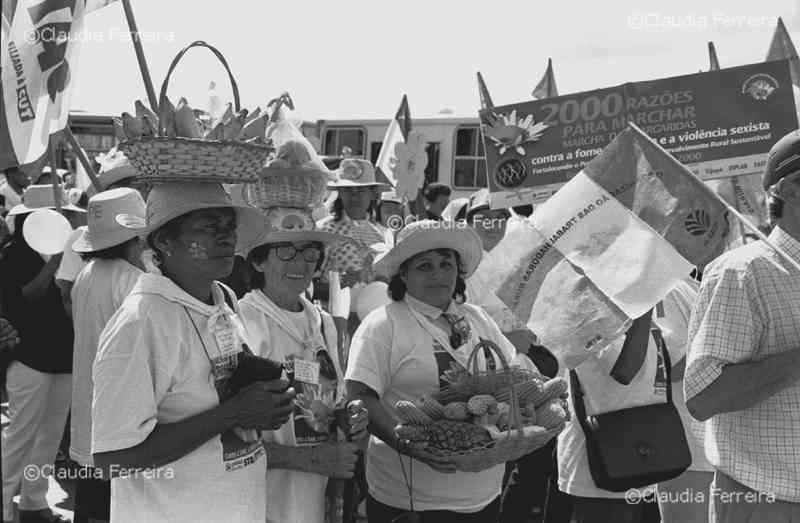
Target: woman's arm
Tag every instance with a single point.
(382, 423)
(168, 441)
(332, 460)
(258, 406)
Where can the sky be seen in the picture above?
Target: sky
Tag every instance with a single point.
(356, 58)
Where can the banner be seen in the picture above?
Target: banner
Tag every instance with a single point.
(615, 239)
(40, 44)
(718, 123)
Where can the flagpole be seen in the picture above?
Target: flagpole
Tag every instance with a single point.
(81, 154)
(761, 236)
(137, 46)
(54, 141)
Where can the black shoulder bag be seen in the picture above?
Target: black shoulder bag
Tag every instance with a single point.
(634, 447)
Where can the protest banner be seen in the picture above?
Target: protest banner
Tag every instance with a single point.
(718, 123)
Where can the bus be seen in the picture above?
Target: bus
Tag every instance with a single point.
(454, 145)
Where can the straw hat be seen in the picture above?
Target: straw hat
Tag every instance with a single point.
(426, 235)
(115, 217)
(169, 200)
(41, 197)
(285, 224)
(354, 172)
(114, 167)
(289, 187)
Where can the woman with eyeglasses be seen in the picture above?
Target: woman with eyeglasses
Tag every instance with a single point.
(321, 439)
(401, 351)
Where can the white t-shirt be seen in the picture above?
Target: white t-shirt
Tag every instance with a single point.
(71, 262)
(97, 293)
(151, 367)
(401, 358)
(603, 394)
(294, 495)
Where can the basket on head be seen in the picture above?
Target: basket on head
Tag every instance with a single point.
(294, 178)
(170, 159)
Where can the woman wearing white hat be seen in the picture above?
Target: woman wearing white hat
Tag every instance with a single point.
(113, 254)
(357, 192)
(400, 351)
(38, 381)
(162, 400)
(285, 326)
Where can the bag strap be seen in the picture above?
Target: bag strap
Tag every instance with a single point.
(577, 392)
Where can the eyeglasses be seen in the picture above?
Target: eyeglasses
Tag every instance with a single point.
(288, 252)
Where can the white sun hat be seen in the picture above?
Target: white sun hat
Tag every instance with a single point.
(41, 197)
(115, 217)
(426, 235)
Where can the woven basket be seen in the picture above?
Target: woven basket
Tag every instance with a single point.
(168, 159)
(515, 443)
(304, 188)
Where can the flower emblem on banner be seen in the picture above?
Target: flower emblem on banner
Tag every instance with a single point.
(408, 165)
(509, 132)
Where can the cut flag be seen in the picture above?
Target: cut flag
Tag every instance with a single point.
(483, 93)
(782, 48)
(546, 88)
(402, 159)
(41, 41)
(713, 61)
(607, 247)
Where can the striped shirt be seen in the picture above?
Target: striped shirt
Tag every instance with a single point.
(748, 309)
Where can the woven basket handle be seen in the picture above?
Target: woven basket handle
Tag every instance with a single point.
(515, 419)
(174, 64)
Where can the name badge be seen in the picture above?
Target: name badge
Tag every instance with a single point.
(306, 371)
(226, 337)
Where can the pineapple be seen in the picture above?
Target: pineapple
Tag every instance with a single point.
(455, 436)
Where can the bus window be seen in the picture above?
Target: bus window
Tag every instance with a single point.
(337, 138)
(469, 161)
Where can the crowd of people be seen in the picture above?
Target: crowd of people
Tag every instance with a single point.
(193, 346)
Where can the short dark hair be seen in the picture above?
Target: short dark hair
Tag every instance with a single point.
(523, 210)
(111, 253)
(259, 255)
(434, 190)
(397, 287)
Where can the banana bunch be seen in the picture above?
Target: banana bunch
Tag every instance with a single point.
(184, 122)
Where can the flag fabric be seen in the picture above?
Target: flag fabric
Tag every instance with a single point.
(483, 92)
(713, 61)
(403, 158)
(782, 48)
(546, 88)
(615, 239)
(41, 42)
(745, 194)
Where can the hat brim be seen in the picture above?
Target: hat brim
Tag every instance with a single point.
(462, 239)
(247, 219)
(130, 227)
(253, 239)
(346, 184)
(23, 209)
